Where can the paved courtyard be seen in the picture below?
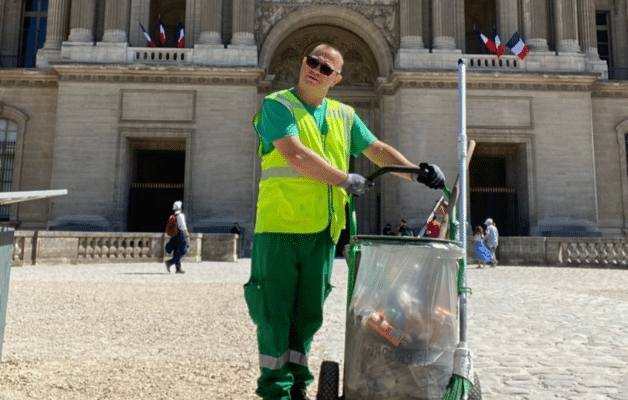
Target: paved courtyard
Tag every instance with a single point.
(536, 332)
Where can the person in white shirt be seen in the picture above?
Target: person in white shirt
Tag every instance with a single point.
(178, 244)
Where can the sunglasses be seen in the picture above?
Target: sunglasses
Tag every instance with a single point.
(314, 63)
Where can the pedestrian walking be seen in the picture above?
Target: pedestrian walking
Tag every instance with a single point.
(179, 238)
(491, 239)
(481, 253)
(306, 140)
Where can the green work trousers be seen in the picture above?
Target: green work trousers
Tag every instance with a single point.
(290, 280)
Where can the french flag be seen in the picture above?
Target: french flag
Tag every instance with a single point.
(148, 38)
(181, 39)
(516, 45)
(488, 43)
(162, 32)
(498, 44)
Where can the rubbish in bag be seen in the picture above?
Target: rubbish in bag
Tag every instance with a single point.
(382, 327)
(402, 322)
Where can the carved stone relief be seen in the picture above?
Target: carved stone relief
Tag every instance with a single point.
(383, 13)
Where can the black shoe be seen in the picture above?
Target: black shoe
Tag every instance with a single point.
(168, 265)
(180, 271)
(298, 393)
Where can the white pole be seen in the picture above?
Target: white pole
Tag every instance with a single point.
(462, 226)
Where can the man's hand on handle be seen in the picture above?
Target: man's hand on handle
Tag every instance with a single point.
(356, 184)
(430, 175)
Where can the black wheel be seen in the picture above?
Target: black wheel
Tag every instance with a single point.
(476, 392)
(328, 381)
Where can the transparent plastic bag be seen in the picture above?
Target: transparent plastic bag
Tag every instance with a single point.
(402, 323)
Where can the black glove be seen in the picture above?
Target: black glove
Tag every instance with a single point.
(430, 175)
(356, 184)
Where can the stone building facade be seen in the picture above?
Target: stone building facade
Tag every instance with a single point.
(128, 128)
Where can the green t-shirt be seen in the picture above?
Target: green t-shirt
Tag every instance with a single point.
(276, 121)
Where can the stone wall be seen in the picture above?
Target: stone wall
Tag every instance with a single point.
(46, 247)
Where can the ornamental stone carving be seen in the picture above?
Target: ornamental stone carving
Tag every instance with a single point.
(383, 13)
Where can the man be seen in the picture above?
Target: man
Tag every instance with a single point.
(491, 239)
(305, 144)
(178, 244)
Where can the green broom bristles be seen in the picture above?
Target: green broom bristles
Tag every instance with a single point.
(458, 387)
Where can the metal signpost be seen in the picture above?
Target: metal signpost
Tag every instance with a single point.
(6, 248)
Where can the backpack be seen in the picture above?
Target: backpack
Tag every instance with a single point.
(172, 229)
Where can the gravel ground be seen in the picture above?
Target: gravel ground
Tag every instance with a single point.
(134, 332)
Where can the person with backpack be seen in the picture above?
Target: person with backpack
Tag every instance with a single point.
(179, 237)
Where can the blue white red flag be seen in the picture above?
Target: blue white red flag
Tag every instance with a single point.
(498, 44)
(148, 38)
(162, 32)
(488, 43)
(181, 38)
(516, 45)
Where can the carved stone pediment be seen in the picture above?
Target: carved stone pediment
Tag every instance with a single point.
(383, 13)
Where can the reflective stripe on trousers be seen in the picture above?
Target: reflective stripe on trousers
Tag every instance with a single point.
(275, 363)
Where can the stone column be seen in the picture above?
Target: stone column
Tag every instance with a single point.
(411, 18)
(507, 19)
(82, 21)
(588, 29)
(535, 25)
(243, 23)
(566, 26)
(211, 22)
(443, 24)
(116, 21)
(57, 19)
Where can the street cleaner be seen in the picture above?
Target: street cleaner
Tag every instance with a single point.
(306, 140)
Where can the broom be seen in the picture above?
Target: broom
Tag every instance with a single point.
(460, 384)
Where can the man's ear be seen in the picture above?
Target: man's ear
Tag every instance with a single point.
(337, 79)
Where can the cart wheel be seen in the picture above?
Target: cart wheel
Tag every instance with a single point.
(476, 392)
(328, 381)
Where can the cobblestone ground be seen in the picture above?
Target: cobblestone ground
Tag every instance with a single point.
(536, 332)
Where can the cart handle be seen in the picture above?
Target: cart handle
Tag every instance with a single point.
(402, 169)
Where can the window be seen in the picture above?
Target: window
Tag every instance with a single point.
(8, 139)
(603, 35)
(604, 45)
(33, 30)
(171, 13)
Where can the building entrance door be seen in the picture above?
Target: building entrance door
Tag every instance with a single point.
(498, 188)
(157, 182)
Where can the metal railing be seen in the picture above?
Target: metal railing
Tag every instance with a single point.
(618, 74)
(15, 62)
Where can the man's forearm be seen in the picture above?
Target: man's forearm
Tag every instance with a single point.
(384, 155)
(310, 164)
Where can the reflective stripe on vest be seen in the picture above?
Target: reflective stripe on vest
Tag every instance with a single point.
(291, 203)
(276, 363)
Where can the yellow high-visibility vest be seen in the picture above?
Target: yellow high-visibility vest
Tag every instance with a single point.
(291, 203)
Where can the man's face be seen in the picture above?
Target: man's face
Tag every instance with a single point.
(311, 74)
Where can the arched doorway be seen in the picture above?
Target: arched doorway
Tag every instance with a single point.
(360, 72)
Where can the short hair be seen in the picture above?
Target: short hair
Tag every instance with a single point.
(315, 51)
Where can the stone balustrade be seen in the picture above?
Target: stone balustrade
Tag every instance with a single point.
(562, 251)
(49, 247)
(491, 62)
(160, 55)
